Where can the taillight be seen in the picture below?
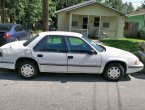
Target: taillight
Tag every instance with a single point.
(7, 36)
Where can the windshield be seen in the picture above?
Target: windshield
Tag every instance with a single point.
(5, 28)
(30, 40)
(98, 47)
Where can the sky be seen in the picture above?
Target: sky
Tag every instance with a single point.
(135, 3)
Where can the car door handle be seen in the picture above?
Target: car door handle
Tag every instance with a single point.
(39, 55)
(70, 57)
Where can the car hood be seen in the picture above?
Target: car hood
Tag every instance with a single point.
(14, 45)
(115, 52)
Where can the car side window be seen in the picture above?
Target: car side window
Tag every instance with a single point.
(51, 44)
(18, 28)
(40, 46)
(24, 28)
(77, 45)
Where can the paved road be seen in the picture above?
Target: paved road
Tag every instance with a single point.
(71, 92)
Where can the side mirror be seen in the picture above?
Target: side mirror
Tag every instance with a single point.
(92, 52)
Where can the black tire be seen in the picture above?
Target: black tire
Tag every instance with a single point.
(116, 74)
(28, 69)
(17, 38)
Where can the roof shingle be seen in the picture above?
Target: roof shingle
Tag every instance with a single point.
(137, 12)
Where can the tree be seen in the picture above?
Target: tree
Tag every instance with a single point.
(130, 7)
(127, 7)
(45, 15)
(25, 12)
(117, 4)
(66, 3)
(143, 4)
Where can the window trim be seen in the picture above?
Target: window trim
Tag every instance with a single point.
(44, 50)
(68, 43)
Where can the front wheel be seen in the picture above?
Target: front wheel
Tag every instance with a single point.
(114, 72)
(27, 69)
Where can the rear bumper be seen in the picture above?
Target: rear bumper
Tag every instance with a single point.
(135, 68)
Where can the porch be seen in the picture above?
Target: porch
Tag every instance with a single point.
(93, 26)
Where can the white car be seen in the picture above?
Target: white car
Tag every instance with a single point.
(67, 52)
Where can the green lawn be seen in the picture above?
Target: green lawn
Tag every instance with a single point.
(127, 44)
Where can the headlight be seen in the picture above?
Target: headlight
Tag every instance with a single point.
(136, 62)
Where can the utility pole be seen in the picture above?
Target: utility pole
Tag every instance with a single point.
(45, 15)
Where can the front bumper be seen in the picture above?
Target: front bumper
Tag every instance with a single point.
(135, 68)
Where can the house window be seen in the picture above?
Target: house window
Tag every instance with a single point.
(85, 23)
(96, 21)
(75, 20)
(106, 23)
(74, 23)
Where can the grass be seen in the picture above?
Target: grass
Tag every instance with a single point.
(127, 44)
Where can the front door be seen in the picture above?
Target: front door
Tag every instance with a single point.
(50, 52)
(80, 58)
(96, 26)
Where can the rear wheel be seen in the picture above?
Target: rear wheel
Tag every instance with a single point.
(27, 69)
(17, 38)
(114, 72)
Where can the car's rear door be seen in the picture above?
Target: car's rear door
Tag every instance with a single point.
(81, 59)
(18, 32)
(50, 52)
(26, 33)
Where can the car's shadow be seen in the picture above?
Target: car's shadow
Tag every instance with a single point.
(139, 75)
(61, 77)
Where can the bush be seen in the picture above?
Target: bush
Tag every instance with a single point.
(142, 33)
(131, 45)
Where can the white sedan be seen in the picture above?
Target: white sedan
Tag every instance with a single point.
(67, 52)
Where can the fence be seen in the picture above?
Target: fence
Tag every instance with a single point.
(131, 29)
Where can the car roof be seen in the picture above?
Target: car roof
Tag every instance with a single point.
(63, 33)
(8, 24)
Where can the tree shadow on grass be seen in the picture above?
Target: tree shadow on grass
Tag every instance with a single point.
(60, 77)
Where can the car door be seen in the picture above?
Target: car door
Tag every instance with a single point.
(26, 33)
(82, 58)
(50, 52)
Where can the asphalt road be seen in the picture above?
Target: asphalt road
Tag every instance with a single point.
(71, 92)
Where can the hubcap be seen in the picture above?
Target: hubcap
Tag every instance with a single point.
(113, 73)
(27, 70)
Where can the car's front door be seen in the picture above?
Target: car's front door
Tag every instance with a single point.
(81, 58)
(50, 52)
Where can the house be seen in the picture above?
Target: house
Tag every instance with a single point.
(137, 16)
(92, 19)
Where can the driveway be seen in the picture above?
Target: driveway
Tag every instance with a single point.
(70, 92)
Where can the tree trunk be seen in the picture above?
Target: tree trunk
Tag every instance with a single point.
(45, 15)
(3, 13)
(12, 19)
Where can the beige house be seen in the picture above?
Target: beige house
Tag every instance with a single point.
(92, 19)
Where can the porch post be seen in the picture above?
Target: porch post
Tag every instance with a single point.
(70, 22)
(88, 26)
(99, 27)
(117, 24)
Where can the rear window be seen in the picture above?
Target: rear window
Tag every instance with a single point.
(5, 28)
(30, 40)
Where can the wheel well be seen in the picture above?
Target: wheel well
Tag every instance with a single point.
(123, 64)
(24, 59)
